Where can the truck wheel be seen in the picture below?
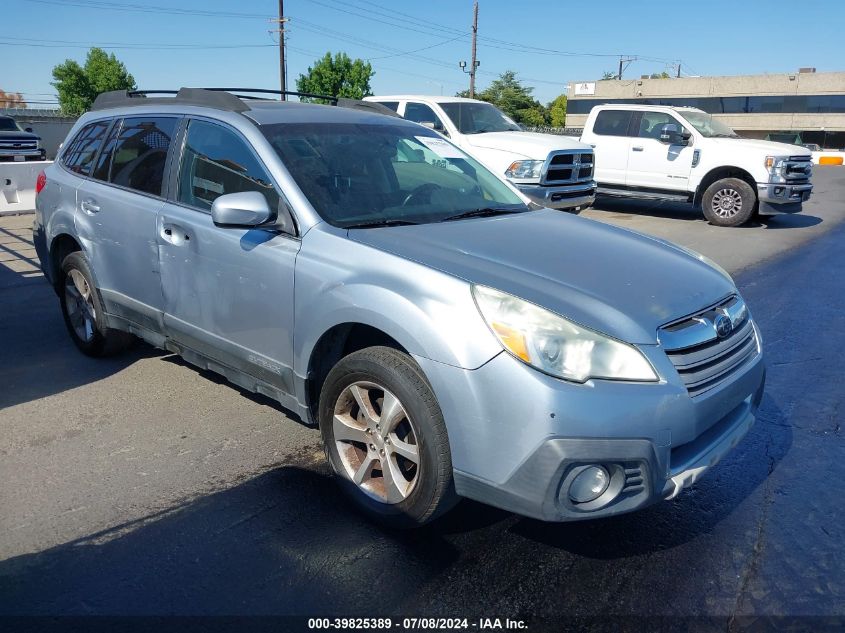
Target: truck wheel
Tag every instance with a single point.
(384, 436)
(729, 202)
(83, 311)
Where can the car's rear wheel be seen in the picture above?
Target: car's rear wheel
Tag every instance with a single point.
(385, 438)
(729, 202)
(83, 311)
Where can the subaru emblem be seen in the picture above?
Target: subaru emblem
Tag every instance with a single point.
(723, 326)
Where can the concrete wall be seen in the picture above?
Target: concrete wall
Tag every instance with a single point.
(17, 186)
(740, 85)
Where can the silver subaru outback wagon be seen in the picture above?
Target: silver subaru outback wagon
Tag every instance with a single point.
(449, 338)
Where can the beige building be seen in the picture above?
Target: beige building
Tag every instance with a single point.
(805, 107)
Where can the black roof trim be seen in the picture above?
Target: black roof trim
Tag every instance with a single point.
(227, 99)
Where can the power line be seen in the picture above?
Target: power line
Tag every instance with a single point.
(140, 8)
(37, 43)
(417, 50)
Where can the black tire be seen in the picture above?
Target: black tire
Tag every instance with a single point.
(103, 341)
(729, 202)
(432, 492)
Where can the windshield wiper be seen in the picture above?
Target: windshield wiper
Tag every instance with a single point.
(378, 223)
(484, 212)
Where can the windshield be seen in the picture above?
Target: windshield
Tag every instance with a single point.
(708, 126)
(355, 174)
(9, 125)
(475, 118)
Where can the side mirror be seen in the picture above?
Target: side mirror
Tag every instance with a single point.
(242, 209)
(28, 129)
(671, 135)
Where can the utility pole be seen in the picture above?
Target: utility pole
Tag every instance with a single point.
(679, 70)
(281, 32)
(474, 61)
(624, 60)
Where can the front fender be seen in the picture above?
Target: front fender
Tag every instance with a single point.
(431, 314)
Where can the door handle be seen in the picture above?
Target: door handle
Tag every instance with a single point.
(174, 234)
(637, 149)
(89, 205)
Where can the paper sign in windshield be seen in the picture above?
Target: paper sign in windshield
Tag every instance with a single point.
(441, 147)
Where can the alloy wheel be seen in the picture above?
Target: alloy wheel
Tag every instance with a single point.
(727, 203)
(377, 442)
(80, 305)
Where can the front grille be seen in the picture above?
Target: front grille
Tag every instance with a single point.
(18, 144)
(566, 168)
(798, 169)
(704, 358)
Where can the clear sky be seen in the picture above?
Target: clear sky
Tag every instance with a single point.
(416, 46)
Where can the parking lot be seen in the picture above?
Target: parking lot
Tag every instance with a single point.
(140, 485)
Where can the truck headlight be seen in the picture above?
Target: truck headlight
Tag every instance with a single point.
(775, 165)
(524, 169)
(555, 345)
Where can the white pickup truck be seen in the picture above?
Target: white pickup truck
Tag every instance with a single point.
(662, 152)
(554, 171)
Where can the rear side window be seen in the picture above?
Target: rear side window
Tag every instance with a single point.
(612, 122)
(216, 161)
(103, 166)
(140, 152)
(79, 156)
(393, 105)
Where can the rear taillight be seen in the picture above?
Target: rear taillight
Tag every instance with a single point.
(40, 183)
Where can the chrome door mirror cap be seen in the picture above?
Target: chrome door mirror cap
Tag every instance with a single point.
(242, 209)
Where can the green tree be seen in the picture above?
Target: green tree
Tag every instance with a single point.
(557, 111)
(608, 75)
(337, 76)
(663, 75)
(509, 95)
(78, 86)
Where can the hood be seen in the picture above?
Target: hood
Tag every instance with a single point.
(612, 280)
(529, 144)
(766, 148)
(16, 135)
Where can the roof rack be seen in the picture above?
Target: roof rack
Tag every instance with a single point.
(229, 99)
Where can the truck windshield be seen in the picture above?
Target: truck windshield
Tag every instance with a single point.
(365, 175)
(8, 125)
(476, 118)
(708, 126)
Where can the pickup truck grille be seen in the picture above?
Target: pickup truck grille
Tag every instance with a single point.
(704, 357)
(18, 145)
(568, 167)
(798, 169)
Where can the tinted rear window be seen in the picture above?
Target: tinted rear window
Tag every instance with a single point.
(80, 154)
(612, 122)
(140, 152)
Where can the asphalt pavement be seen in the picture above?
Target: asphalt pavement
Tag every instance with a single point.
(139, 485)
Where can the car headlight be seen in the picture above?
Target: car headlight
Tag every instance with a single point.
(774, 165)
(555, 345)
(524, 169)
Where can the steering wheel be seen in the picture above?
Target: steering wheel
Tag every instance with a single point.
(427, 188)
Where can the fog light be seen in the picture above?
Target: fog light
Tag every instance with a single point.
(589, 484)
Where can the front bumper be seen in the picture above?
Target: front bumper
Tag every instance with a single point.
(579, 195)
(518, 436)
(777, 198)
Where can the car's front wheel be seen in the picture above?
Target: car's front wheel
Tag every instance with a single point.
(729, 202)
(385, 438)
(83, 310)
